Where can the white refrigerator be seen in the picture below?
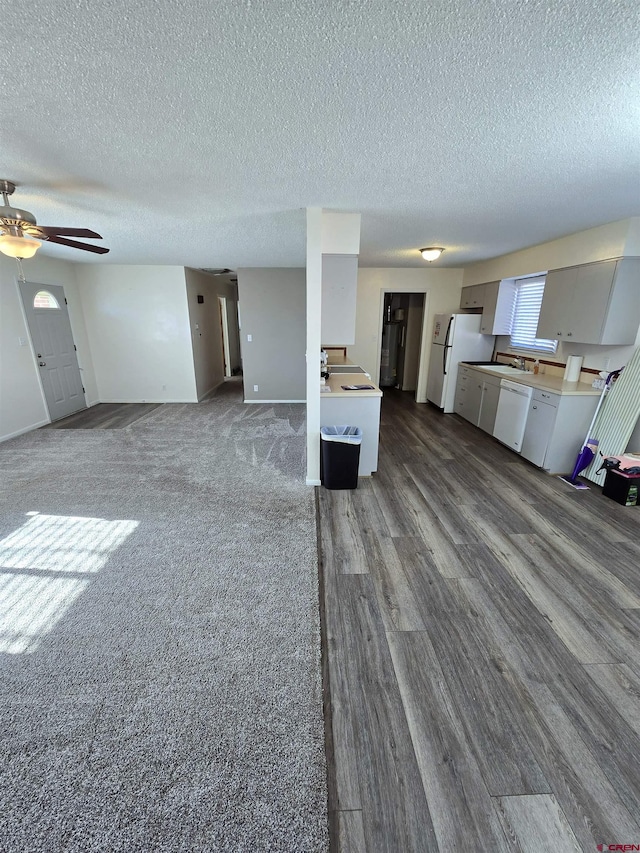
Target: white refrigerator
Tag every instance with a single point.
(456, 337)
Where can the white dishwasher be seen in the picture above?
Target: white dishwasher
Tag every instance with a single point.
(511, 417)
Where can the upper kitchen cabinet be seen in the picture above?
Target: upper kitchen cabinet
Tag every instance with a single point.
(496, 298)
(472, 296)
(497, 310)
(339, 290)
(595, 303)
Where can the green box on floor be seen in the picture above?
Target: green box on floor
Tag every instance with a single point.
(622, 488)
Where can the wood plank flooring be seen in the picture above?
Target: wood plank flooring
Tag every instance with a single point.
(481, 627)
(105, 416)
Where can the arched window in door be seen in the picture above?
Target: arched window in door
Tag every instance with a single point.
(44, 299)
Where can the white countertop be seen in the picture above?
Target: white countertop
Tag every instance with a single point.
(337, 358)
(540, 380)
(337, 380)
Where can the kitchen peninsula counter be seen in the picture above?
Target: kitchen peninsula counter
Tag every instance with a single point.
(337, 380)
(354, 408)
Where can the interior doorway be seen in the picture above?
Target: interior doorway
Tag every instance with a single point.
(402, 336)
(47, 316)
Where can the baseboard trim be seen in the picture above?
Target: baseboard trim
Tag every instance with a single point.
(311, 482)
(23, 431)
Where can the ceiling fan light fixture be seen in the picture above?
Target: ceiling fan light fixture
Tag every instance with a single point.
(19, 246)
(432, 253)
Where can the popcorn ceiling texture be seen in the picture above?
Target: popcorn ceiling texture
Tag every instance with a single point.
(197, 133)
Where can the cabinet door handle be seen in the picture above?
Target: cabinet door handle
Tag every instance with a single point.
(569, 334)
(558, 333)
(534, 407)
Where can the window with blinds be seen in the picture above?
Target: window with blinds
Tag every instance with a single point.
(525, 316)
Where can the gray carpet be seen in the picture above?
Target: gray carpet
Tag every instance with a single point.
(159, 644)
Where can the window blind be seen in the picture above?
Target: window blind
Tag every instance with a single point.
(529, 293)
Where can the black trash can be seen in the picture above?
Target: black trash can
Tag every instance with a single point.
(340, 456)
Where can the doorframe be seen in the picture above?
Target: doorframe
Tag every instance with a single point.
(421, 382)
(34, 357)
(32, 349)
(224, 324)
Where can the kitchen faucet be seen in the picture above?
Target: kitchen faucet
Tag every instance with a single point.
(520, 362)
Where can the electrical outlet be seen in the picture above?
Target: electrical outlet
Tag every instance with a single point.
(255, 387)
(249, 338)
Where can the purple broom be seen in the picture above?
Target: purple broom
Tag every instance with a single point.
(590, 446)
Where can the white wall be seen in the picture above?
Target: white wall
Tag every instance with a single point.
(22, 404)
(137, 322)
(597, 244)
(206, 333)
(442, 288)
(614, 240)
(273, 312)
(632, 245)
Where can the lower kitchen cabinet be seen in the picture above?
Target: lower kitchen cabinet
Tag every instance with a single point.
(556, 423)
(556, 428)
(468, 397)
(489, 405)
(538, 431)
(477, 397)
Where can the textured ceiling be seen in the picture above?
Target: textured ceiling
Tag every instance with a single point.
(195, 133)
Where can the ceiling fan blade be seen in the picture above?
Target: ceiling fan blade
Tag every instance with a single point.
(99, 250)
(50, 231)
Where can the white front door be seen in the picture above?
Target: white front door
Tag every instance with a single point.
(48, 320)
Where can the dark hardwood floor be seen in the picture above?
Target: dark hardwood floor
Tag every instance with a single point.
(481, 628)
(105, 416)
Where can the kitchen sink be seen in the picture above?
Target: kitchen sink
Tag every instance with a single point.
(506, 368)
(497, 366)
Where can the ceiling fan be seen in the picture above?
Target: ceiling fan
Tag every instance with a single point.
(21, 236)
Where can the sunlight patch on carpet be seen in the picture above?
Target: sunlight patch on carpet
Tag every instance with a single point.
(36, 562)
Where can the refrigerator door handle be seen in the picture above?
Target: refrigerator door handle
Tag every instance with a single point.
(446, 337)
(446, 346)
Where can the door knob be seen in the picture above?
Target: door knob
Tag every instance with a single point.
(42, 363)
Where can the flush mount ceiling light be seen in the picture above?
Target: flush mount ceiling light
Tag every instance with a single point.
(432, 253)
